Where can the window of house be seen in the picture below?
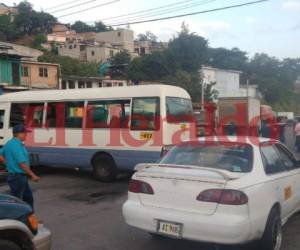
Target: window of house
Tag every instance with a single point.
(25, 71)
(119, 34)
(75, 46)
(89, 85)
(108, 84)
(145, 114)
(93, 53)
(70, 46)
(81, 47)
(111, 53)
(271, 159)
(108, 114)
(81, 84)
(143, 50)
(71, 85)
(43, 72)
(63, 84)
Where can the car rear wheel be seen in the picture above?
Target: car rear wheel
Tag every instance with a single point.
(272, 238)
(104, 168)
(8, 245)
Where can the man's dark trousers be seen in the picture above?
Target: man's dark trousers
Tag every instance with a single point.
(20, 188)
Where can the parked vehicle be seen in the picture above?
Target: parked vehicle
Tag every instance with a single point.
(19, 227)
(238, 115)
(223, 192)
(104, 130)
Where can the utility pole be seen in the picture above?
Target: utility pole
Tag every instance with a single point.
(202, 89)
(247, 87)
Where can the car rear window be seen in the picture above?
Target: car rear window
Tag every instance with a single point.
(234, 157)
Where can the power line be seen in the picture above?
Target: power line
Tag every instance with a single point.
(191, 14)
(90, 8)
(143, 11)
(73, 6)
(162, 12)
(63, 4)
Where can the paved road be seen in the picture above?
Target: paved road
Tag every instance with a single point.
(86, 215)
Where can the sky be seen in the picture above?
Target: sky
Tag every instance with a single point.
(271, 27)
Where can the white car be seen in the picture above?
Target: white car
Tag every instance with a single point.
(217, 191)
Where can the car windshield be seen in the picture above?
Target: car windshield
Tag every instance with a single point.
(233, 157)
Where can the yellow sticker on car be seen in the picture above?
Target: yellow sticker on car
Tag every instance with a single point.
(288, 193)
(146, 136)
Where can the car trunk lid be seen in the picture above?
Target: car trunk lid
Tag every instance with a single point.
(177, 187)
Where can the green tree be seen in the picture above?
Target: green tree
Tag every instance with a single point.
(38, 41)
(71, 66)
(187, 52)
(148, 36)
(186, 80)
(101, 27)
(121, 58)
(80, 27)
(31, 22)
(8, 31)
(233, 59)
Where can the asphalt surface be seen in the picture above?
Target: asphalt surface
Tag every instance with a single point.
(86, 215)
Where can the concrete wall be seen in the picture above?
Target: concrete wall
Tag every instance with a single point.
(227, 82)
(70, 50)
(34, 80)
(98, 54)
(124, 38)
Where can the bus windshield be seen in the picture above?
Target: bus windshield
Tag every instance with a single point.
(179, 109)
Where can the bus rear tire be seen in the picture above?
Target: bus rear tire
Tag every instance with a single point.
(104, 168)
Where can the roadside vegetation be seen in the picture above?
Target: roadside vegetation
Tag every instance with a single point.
(179, 64)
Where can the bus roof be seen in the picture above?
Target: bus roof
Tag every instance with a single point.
(95, 93)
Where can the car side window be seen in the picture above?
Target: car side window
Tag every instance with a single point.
(287, 159)
(271, 160)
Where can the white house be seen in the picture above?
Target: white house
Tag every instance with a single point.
(227, 82)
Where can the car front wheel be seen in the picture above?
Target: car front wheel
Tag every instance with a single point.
(8, 245)
(272, 238)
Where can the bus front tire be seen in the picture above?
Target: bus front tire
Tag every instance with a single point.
(104, 168)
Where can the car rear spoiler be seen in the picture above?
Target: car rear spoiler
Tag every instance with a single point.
(226, 175)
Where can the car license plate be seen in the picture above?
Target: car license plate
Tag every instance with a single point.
(169, 228)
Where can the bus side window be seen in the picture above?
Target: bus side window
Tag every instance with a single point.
(108, 114)
(145, 114)
(34, 115)
(17, 114)
(55, 115)
(74, 114)
(2, 116)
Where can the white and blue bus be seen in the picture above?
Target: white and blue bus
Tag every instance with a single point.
(104, 130)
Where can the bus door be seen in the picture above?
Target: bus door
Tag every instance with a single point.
(3, 123)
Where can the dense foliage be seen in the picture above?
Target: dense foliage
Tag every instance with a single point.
(180, 64)
(27, 22)
(71, 66)
(81, 27)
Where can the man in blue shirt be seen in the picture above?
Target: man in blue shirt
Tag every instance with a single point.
(17, 163)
